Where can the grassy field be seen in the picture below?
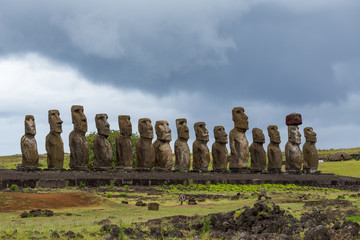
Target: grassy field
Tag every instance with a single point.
(85, 220)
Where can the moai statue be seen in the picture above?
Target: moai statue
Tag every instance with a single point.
(30, 156)
(103, 154)
(239, 146)
(182, 150)
(163, 153)
(273, 150)
(54, 143)
(292, 148)
(311, 157)
(257, 152)
(201, 155)
(219, 151)
(124, 146)
(145, 151)
(79, 148)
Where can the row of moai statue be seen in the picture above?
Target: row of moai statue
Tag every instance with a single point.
(159, 154)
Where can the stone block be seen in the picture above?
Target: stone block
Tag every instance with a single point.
(293, 119)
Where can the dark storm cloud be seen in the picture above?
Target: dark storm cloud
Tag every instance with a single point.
(229, 51)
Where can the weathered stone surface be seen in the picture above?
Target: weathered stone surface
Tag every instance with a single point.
(153, 206)
(219, 151)
(293, 153)
(201, 155)
(79, 148)
(310, 153)
(30, 156)
(102, 148)
(239, 145)
(124, 147)
(163, 152)
(145, 151)
(293, 119)
(273, 150)
(54, 143)
(340, 156)
(257, 152)
(182, 150)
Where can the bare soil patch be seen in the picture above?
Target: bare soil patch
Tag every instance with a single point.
(11, 202)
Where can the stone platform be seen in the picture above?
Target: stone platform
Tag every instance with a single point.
(63, 178)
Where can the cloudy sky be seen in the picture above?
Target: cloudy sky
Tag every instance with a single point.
(167, 59)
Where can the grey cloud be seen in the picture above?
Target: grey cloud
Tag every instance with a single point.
(229, 51)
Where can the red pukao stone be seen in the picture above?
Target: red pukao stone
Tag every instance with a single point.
(293, 119)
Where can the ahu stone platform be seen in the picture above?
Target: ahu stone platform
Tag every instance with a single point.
(65, 178)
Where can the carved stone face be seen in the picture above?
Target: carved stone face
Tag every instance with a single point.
(145, 128)
(125, 125)
(220, 134)
(240, 119)
(310, 135)
(258, 135)
(182, 128)
(163, 131)
(201, 132)
(102, 125)
(78, 118)
(294, 134)
(55, 121)
(30, 128)
(274, 134)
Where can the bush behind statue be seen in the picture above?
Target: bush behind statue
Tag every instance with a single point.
(112, 139)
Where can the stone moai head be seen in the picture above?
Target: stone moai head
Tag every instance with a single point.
(294, 134)
(78, 118)
(240, 119)
(258, 135)
(163, 131)
(55, 121)
(310, 135)
(201, 132)
(125, 125)
(274, 134)
(145, 128)
(220, 134)
(102, 125)
(30, 128)
(182, 128)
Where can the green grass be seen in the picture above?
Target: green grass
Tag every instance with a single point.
(349, 168)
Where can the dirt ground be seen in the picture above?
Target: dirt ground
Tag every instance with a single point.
(15, 201)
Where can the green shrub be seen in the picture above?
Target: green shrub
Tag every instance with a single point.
(108, 195)
(207, 222)
(14, 187)
(112, 185)
(112, 139)
(122, 194)
(82, 185)
(126, 187)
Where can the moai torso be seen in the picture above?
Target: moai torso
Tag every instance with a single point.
(79, 148)
(239, 145)
(219, 151)
(273, 150)
(239, 148)
(201, 154)
(54, 143)
(124, 146)
(182, 150)
(145, 151)
(258, 155)
(103, 154)
(163, 152)
(292, 149)
(310, 153)
(30, 156)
